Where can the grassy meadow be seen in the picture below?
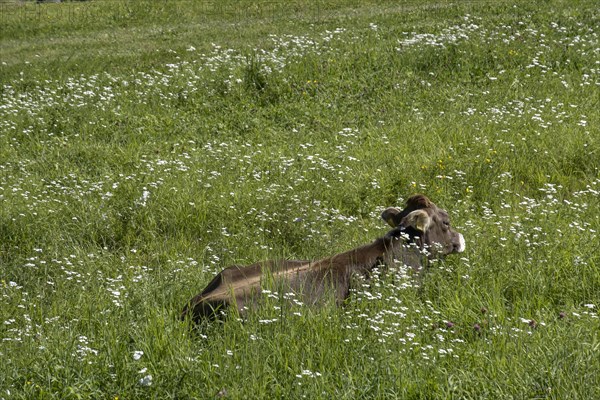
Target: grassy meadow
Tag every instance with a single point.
(146, 145)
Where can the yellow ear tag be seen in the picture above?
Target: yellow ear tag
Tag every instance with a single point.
(420, 226)
(390, 222)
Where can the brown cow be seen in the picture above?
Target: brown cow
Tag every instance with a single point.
(421, 232)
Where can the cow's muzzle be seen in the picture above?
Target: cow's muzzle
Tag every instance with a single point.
(459, 246)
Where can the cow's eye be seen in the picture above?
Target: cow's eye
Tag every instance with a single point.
(447, 223)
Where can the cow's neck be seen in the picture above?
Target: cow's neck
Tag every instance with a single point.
(398, 249)
(385, 250)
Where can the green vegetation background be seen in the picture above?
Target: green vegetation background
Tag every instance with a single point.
(145, 145)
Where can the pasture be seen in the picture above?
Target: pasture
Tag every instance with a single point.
(146, 145)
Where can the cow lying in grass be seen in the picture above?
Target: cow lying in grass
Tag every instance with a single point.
(421, 232)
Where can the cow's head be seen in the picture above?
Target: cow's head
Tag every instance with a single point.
(423, 223)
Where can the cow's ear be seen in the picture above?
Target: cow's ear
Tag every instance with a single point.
(418, 219)
(391, 215)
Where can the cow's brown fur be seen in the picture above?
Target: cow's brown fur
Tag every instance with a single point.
(237, 285)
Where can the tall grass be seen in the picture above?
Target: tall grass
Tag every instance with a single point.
(144, 146)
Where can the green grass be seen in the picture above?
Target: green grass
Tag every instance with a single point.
(146, 145)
